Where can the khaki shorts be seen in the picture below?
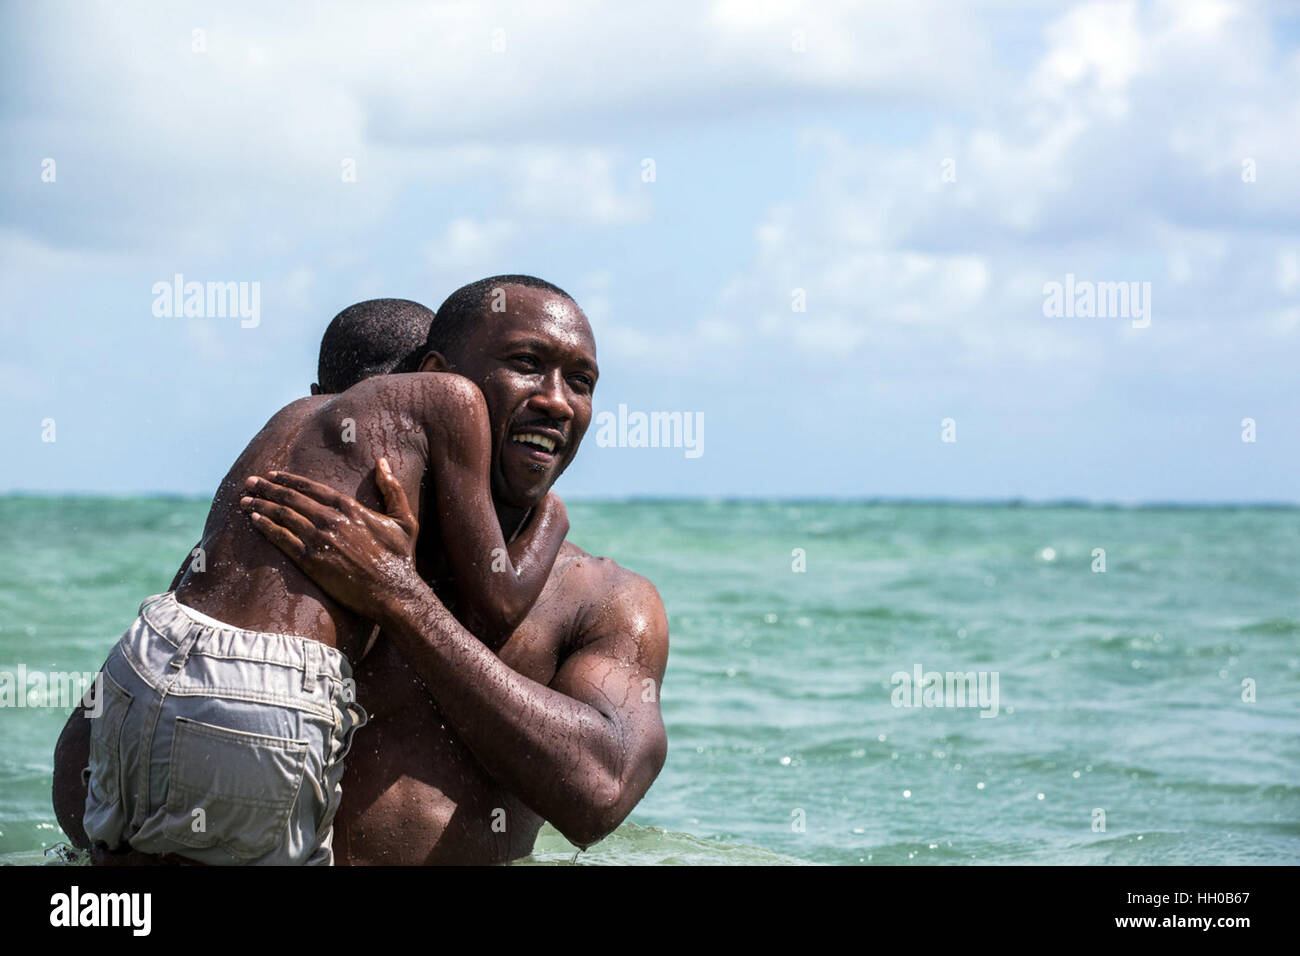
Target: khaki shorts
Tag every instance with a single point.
(218, 744)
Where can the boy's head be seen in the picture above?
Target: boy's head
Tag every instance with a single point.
(374, 337)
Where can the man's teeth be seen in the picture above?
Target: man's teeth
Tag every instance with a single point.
(532, 438)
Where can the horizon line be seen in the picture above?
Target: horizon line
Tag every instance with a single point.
(1010, 502)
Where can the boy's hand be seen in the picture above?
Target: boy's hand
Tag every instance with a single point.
(361, 558)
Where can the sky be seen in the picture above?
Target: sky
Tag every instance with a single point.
(822, 231)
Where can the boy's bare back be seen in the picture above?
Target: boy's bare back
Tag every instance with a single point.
(249, 583)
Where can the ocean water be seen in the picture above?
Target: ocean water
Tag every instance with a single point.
(1147, 714)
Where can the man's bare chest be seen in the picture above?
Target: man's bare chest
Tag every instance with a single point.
(534, 649)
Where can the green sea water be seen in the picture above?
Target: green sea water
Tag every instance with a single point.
(1147, 714)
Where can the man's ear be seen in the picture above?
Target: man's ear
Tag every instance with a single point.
(435, 362)
(315, 389)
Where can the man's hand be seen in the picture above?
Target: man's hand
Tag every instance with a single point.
(360, 557)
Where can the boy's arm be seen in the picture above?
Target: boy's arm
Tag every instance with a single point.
(498, 583)
(532, 551)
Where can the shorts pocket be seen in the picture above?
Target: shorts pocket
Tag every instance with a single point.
(232, 789)
(104, 788)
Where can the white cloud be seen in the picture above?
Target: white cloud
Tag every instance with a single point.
(471, 245)
(1118, 158)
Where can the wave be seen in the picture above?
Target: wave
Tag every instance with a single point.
(633, 845)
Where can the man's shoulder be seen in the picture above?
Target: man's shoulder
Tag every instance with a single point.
(583, 570)
(608, 594)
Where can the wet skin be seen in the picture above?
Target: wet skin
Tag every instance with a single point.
(467, 750)
(423, 426)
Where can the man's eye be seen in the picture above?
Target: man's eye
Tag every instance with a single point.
(524, 360)
(584, 382)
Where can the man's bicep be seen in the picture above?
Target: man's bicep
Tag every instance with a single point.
(619, 671)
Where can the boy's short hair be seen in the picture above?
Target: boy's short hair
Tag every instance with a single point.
(374, 337)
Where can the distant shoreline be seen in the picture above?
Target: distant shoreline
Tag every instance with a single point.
(1047, 503)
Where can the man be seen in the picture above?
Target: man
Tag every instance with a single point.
(470, 747)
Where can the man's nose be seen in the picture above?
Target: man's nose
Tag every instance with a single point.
(550, 398)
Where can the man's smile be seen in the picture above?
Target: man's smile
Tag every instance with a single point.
(538, 444)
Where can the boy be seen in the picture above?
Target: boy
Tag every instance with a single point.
(227, 707)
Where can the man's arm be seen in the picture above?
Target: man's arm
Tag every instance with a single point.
(581, 752)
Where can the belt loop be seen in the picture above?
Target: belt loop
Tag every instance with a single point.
(183, 652)
(308, 666)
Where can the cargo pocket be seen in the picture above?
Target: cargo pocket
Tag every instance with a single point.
(232, 789)
(105, 809)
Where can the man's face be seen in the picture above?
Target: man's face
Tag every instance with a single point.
(536, 366)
